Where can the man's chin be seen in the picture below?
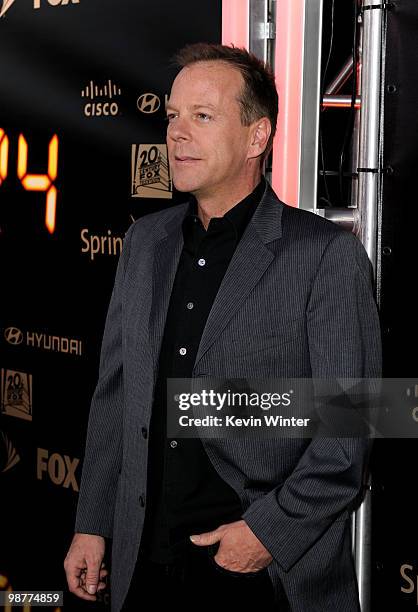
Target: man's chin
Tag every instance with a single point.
(185, 186)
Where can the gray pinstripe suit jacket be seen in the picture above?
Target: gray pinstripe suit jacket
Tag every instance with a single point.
(296, 301)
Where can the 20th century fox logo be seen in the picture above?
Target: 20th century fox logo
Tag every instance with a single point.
(150, 172)
(16, 394)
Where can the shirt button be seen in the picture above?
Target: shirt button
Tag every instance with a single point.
(201, 262)
(141, 501)
(182, 351)
(144, 432)
(190, 305)
(173, 444)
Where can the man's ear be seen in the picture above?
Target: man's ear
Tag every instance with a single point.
(259, 137)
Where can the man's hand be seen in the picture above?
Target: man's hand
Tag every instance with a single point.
(239, 549)
(84, 567)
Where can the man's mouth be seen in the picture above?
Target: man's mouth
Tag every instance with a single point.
(185, 158)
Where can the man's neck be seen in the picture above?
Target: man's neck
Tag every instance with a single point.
(217, 205)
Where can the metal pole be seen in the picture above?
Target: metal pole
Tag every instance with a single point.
(369, 167)
(346, 217)
(368, 180)
(262, 34)
(312, 53)
(356, 128)
(261, 28)
(361, 525)
(342, 77)
(339, 101)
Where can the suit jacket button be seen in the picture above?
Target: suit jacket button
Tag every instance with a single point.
(141, 501)
(144, 432)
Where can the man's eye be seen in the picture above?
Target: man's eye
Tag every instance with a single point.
(170, 117)
(204, 116)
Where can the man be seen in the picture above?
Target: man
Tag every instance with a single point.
(231, 284)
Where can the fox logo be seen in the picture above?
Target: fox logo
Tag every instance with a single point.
(5, 7)
(6, 4)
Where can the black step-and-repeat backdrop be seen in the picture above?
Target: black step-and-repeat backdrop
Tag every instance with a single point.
(82, 91)
(83, 85)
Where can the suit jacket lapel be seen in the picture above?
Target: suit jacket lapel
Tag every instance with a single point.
(166, 258)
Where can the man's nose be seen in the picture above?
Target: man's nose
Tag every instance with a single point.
(179, 129)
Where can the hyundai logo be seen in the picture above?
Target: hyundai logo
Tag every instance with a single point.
(13, 335)
(148, 103)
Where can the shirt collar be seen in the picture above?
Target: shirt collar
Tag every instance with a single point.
(239, 215)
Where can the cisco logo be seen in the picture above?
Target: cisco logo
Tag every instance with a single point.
(106, 106)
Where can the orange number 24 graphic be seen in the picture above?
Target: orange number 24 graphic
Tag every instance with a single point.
(34, 182)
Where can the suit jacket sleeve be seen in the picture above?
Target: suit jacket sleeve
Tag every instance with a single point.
(103, 452)
(344, 342)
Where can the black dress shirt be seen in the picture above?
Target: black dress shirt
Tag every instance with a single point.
(185, 494)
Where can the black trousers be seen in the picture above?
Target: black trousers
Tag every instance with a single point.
(195, 582)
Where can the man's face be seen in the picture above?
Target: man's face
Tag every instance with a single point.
(207, 144)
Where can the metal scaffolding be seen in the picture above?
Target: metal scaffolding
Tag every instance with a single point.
(363, 214)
